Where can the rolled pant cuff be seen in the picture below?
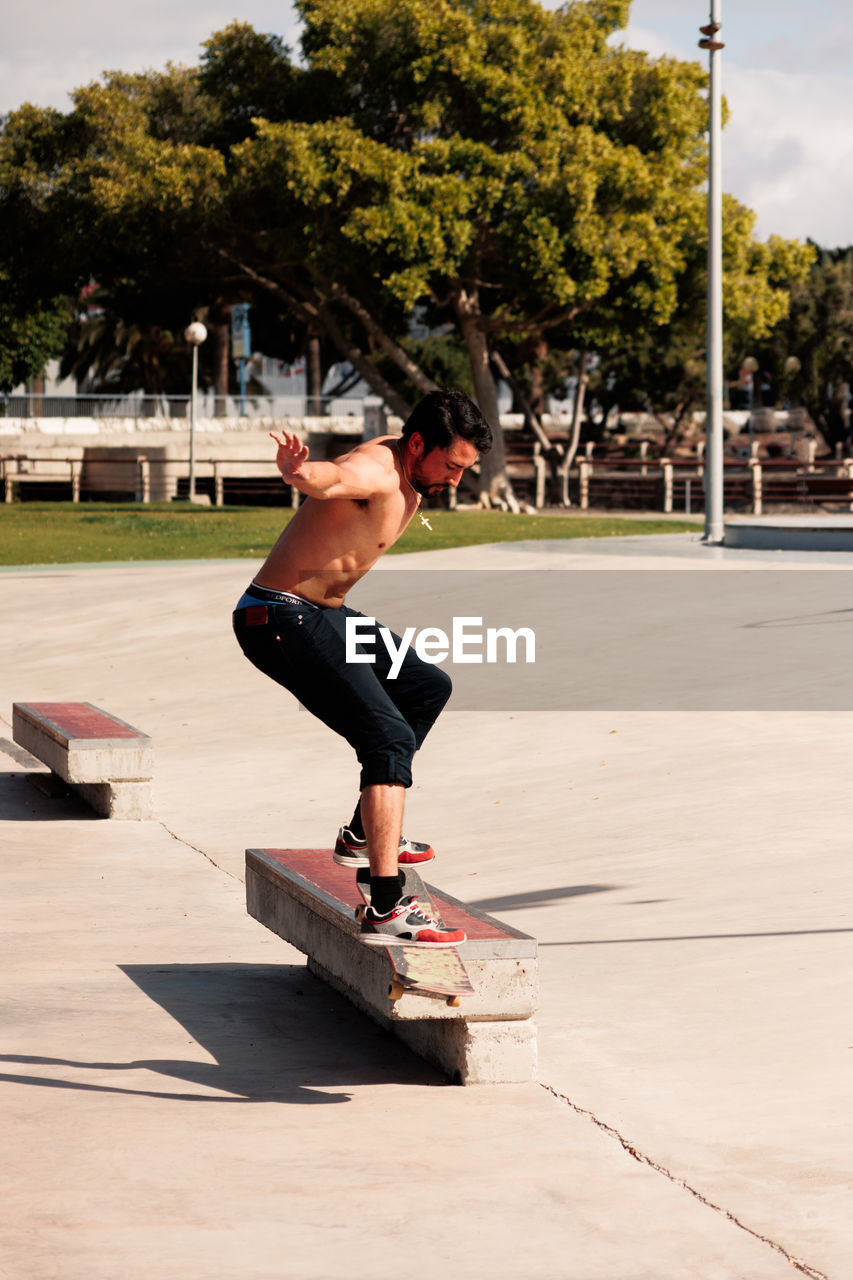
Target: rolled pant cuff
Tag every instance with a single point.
(385, 773)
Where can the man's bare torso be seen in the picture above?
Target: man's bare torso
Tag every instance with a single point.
(331, 543)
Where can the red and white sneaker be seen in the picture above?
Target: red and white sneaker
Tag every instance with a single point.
(407, 922)
(351, 851)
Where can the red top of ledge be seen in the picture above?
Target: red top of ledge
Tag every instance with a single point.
(80, 720)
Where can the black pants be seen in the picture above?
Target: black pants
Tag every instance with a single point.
(385, 721)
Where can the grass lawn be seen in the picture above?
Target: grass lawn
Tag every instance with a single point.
(64, 533)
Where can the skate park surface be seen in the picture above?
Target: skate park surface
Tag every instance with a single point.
(182, 1099)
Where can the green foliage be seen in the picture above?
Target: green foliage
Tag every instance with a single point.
(540, 160)
(807, 358)
(505, 167)
(500, 162)
(245, 75)
(115, 191)
(29, 337)
(662, 369)
(442, 357)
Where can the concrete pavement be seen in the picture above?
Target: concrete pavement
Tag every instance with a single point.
(181, 1099)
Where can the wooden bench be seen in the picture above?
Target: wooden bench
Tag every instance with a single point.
(21, 469)
(310, 901)
(108, 763)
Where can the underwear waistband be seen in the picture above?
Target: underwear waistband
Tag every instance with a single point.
(278, 597)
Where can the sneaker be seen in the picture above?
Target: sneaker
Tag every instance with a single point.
(351, 851)
(410, 923)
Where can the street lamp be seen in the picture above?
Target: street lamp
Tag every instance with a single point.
(790, 369)
(714, 532)
(748, 370)
(195, 335)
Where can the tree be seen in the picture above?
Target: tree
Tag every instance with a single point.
(30, 335)
(98, 194)
(807, 358)
(244, 76)
(132, 190)
(499, 165)
(508, 168)
(661, 369)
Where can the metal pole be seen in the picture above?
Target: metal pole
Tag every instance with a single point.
(192, 424)
(714, 530)
(194, 334)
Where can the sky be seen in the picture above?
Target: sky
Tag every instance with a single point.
(787, 72)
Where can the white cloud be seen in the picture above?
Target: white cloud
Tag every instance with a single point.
(788, 152)
(655, 43)
(787, 74)
(73, 44)
(788, 146)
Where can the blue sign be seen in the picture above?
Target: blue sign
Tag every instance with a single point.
(241, 334)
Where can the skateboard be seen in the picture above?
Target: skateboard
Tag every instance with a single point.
(439, 974)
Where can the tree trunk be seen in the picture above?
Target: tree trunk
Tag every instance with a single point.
(494, 486)
(534, 352)
(374, 379)
(36, 403)
(577, 412)
(312, 312)
(219, 320)
(314, 374)
(552, 453)
(401, 358)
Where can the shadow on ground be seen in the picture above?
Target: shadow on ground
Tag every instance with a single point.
(20, 801)
(275, 1034)
(540, 897)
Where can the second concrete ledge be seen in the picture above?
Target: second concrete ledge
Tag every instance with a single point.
(107, 762)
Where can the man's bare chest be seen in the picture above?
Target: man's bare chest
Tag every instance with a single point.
(381, 522)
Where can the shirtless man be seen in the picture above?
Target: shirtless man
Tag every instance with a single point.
(291, 623)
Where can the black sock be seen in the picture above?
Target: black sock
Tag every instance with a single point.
(355, 823)
(385, 892)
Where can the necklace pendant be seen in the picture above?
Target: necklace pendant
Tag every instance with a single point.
(425, 521)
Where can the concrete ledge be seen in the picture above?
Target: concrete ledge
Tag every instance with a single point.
(477, 1052)
(790, 533)
(305, 898)
(106, 761)
(129, 801)
(467, 1051)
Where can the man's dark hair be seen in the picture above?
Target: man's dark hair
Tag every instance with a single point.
(443, 416)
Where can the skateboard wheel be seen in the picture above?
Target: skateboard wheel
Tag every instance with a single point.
(454, 1001)
(359, 913)
(395, 990)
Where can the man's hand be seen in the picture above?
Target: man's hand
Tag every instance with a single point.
(291, 454)
(358, 474)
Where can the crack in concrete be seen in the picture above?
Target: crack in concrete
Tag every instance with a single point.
(196, 849)
(641, 1158)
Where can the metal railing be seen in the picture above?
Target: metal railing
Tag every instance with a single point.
(679, 486)
(146, 407)
(664, 485)
(142, 479)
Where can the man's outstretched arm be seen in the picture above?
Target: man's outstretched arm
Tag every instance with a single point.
(355, 475)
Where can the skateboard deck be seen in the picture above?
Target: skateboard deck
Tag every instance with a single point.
(436, 973)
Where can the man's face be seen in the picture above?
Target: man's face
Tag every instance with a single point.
(439, 469)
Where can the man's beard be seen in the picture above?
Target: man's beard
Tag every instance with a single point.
(426, 490)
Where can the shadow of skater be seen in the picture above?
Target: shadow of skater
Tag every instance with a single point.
(276, 1034)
